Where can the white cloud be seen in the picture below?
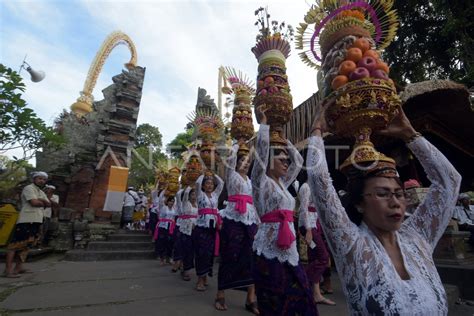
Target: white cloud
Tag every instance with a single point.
(189, 41)
(181, 43)
(38, 14)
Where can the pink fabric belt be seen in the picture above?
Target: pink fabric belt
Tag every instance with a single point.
(164, 220)
(311, 209)
(241, 201)
(285, 235)
(217, 216)
(187, 216)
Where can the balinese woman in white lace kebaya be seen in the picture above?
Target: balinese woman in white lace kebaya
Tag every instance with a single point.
(310, 227)
(187, 223)
(280, 280)
(165, 228)
(239, 225)
(177, 249)
(385, 263)
(208, 223)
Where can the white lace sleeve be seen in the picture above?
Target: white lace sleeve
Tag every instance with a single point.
(304, 194)
(231, 160)
(260, 164)
(341, 232)
(161, 199)
(432, 216)
(199, 186)
(295, 166)
(220, 186)
(186, 196)
(154, 195)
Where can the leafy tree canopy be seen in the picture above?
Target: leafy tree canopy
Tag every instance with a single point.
(179, 144)
(434, 40)
(20, 127)
(148, 135)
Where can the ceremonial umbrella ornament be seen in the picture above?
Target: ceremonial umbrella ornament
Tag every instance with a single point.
(342, 39)
(209, 127)
(242, 89)
(273, 91)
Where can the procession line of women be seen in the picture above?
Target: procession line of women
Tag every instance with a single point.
(385, 263)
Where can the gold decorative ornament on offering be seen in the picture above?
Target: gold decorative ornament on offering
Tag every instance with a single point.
(193, 169)
(161, 177)
(184, 180)
(343, 40)
(208, 154)
(273, 91)
(173, 181)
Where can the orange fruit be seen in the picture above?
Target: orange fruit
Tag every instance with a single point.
(372, 53)
(354, 54)
(362, 44)
(383, 66)
(339, 81)
(346, 67)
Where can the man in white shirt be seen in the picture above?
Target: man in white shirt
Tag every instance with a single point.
(461, 213)
(47, 213)
(130, 201)
(27, 229)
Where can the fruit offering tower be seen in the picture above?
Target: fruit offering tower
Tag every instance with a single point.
(243, 91)
(273, 91)
(209, 126)
(343, 39)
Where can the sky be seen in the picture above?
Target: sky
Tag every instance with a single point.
(181, 44)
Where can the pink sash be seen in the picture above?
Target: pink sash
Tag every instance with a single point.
(187, 216)
(241, 201)
(284, 217)
(164, 220)
(213, 211)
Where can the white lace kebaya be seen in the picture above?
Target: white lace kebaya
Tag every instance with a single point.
(179, 206)
(186, 225)
(165, 211)
(371, 284)
(204, 201)
(306, 218)
(237, 185)
(269, 195)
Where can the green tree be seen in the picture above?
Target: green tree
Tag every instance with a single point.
(12, 172)
(142, 170)
(145, 156)
(179, 144)
(148, 135)
(20, 127)
(434, 40)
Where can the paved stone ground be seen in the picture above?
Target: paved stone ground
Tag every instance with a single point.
(117, 288)
(129, 288)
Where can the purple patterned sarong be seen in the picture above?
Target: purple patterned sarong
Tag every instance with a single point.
(177, 247)
(187, 248)
(235, 267)
(282, 289)
(164, 244)
(204, 243)
(318, 258)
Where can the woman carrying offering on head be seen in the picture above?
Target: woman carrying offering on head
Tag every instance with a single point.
(281, 284)
(206, 235)
(385, 263)
(239, 226)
